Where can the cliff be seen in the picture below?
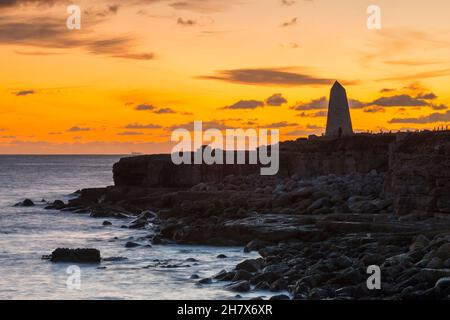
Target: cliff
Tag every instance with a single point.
(305, 158)
(418, 179)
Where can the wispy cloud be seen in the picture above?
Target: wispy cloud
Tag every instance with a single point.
(431, 118)
(268, 77)
(142, 126)
(23, 93)
(78, 129)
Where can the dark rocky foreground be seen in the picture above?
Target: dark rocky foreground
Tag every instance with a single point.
(336, 208)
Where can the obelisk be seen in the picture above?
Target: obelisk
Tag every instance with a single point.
(339, 122)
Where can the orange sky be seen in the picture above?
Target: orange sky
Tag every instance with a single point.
(139, 68)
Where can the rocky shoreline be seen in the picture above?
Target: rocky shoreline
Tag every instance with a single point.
(336, 208)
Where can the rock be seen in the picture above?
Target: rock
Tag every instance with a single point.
(107, 223)
(156, 240)
(443, 252)
(279, 285)
(57, 204)
(318, 204)
(262, 286)
(115, 259)
(443, 285)
(419, 243)
(434, 263)
(268, 277)
(25, 203)
(242, 275)
(194, 276)
(250, 265)
(240, 286)
(205, 281)
(75, 255)
(280, 297)
(191, 260)
(139, 223)
(221, 256)
(131, 244)
(255, 245)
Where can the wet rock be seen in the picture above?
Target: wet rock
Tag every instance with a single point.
(157, 240)
(262, 286)
(240, 286)
(25, 203)
(220, 275)
(279, 285)
(268, 277)
(57, 204)
(138, 224)
(191, 260)
(115, 259)
(280, 297)
(107, 223)
(443, 252)
(194, 277)
(443, 285)
(242, 275)
(434, 263)
(75, 255)
(205, 281)
(250, 265)
(221, 256)
(131, 244)
(255, 245)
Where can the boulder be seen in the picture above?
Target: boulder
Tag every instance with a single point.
(25, 203)
(75, 255)
(240, 286)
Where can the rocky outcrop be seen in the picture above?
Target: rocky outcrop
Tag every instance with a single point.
(355, 154)
(419, 176)
(75, 255)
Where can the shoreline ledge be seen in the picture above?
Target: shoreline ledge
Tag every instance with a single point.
(336, 207)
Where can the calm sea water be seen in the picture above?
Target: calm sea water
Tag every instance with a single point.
(28, 233)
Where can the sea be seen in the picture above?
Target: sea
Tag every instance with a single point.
(156, 272)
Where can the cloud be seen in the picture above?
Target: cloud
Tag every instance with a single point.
(315, 104)
(374, 109)
(288, 2)
(282, 124)
(142, 126)
(52, 33)
(431, 118)
(144, 107)
(213, 124)
(187, 22)
(319, 114)
(386, 90)
(290, 23)
(313, 127)
(420, 75)
(130, 133)
(23, 93)
(438, 106)
(402, 100)
(165, 111)
(426, 96)
(267, 77)
(203, 6)
(78, 129)
(245, 104)
(276, 100)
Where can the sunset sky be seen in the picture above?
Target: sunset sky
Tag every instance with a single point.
(137, 69)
